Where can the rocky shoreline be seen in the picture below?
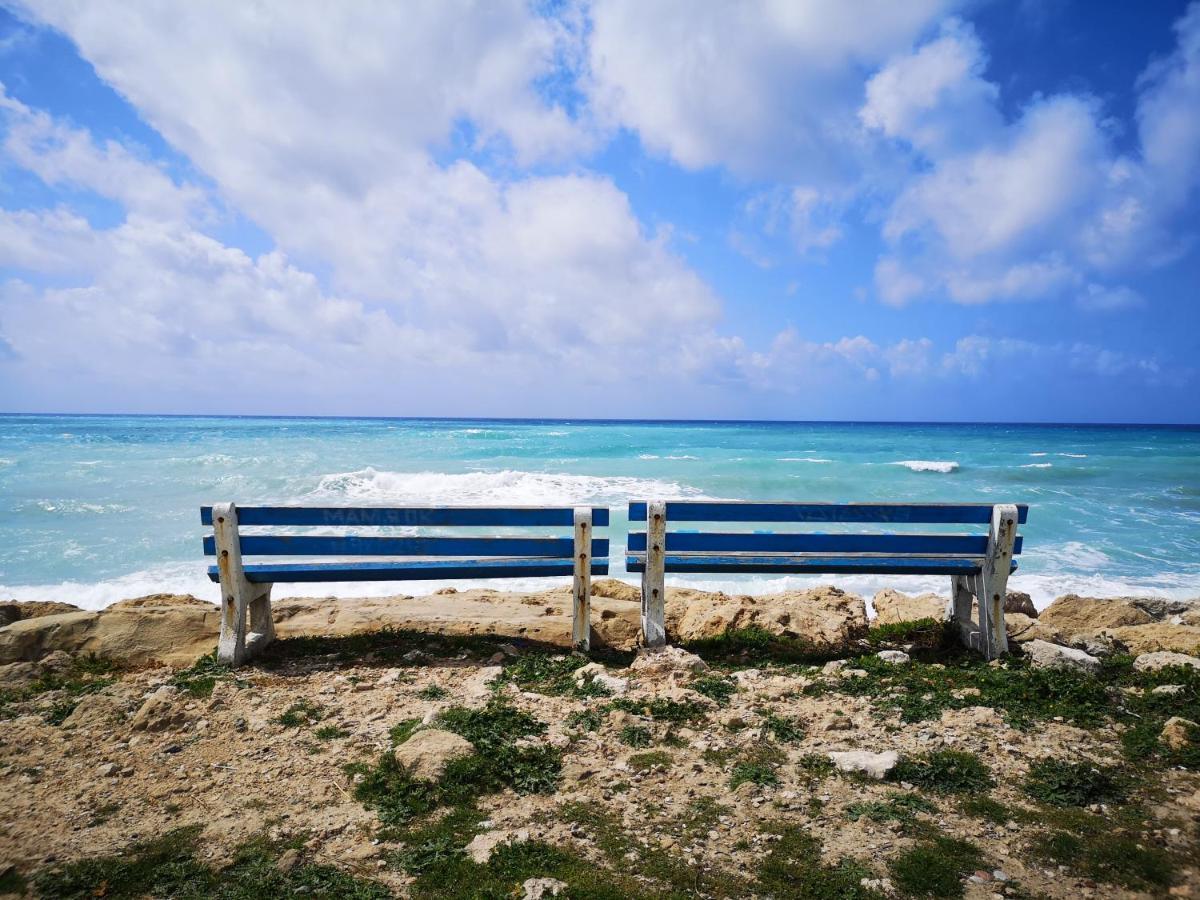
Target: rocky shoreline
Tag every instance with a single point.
(448, 746)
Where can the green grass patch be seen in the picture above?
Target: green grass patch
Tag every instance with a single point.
(12, 882)
(1063, 783)
(922, 634)
(782, 729)
(304, 712)
(585, 719)
(898, 807)
(944, 772)
(84, 675)
(433, 692)
(643, 762)
(1122, 859)
(663, 710)
(199, 679)
(935, 867)
(330, 733)
(982, 807)
(497, 763)
(757, 646)
(793, 869)
(816, 766)
(168, 866)
(715, 687)
(636, 736)
(759, 766)
(402, 731)
(703, 814)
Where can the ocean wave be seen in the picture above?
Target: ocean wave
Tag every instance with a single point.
(928, 465)
(1074, 455)
(1039, 454)
(72, 507)
(808, 459)
(1036, 466)
(505, 487)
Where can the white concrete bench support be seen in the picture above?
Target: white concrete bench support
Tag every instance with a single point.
(986, 591)
(654, 610)
(246, 622)
(581, 590)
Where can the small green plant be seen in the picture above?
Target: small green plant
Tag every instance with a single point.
(715, 687)
(897, 807)
(945, 772)
(304, 712)
(663, 709)
(793, 869)
(84, 675)
(1062, 783)
(433, 692)
(928, 634)
(1108, 856)
(758, 646)
(402, 731)
(815, 766)
(103, 813)
(636, 736)
(757, 767)
(330, 733)
(201, 677)
(642, 762)
(935, 868)
(784, 730)
(986, 808)
(585, 719)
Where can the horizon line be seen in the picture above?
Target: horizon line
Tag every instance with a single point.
(600, 420)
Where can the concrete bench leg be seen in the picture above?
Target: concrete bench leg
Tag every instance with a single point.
(244, 606)
(988, 589)
(654, 611)
(581, 591)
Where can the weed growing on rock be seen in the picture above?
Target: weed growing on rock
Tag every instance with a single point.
(784, 730)
(715, 687)
(636, 736)
(402, 731)
(920, 634)
(816, 766)
(936, 867)
(987, 809)
(168, 867)
(897, 807)
(945, 772)
(85, 675)
(793, 869)
(643, 762)
(330, 733)
(663, 709)
(1062, 783)
(757, 767)
(1117, 858)
(433, 692)
(585, 719)
(753, 646)
(303, 712)
(199, 679)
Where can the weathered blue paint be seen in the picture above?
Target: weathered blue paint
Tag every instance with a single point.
(414, 570)
(408, 517)
(355, 545)
(767, 542)
(914, 513)
(783, 564)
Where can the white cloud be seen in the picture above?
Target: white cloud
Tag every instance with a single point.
(1105, 298)
(764, 88)
(1040, 205)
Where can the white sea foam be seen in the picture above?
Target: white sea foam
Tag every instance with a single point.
(808, 459)
(928, 465)
(76, 507)
(506, 487)
(1039, 454)
(1074, 455)
(1037, 465)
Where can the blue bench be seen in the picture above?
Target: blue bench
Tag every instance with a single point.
(978, 563)
(246, 625)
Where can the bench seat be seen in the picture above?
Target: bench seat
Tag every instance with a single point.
(811, 564)
(409, 570)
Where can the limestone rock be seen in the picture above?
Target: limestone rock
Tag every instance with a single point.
(1018, 602)
(873, 765)
(15, 610)
(1072, 614)
(482, 846)
(95, 710)
(1152, 662)
(892, 607)
(1141, 639)
(895, 657)
(663, 660)
(825, 617)
(159, 600)
(159, 712)
(1179, 733)
(540, 888)
(427, 753)
(596, 673)
(1045, 655)
(1021, 629)
(617, 590)
(31, 639)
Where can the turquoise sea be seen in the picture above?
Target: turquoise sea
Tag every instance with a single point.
(94, 509)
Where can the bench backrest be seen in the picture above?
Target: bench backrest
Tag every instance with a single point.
(327, 557)
(718, 550)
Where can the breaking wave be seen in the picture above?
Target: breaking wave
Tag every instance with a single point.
(928, 465)
(506, 487)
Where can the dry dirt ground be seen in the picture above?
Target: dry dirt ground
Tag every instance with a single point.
(544, 774)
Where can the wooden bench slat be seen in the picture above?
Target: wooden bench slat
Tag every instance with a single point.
(353, 545)
(410, 570)
(766, 542)
(409, 516)
(815, 564)
(739, 511)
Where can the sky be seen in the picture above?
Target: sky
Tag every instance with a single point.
(785, 209)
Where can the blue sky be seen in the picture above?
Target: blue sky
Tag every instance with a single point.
(934, 210)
